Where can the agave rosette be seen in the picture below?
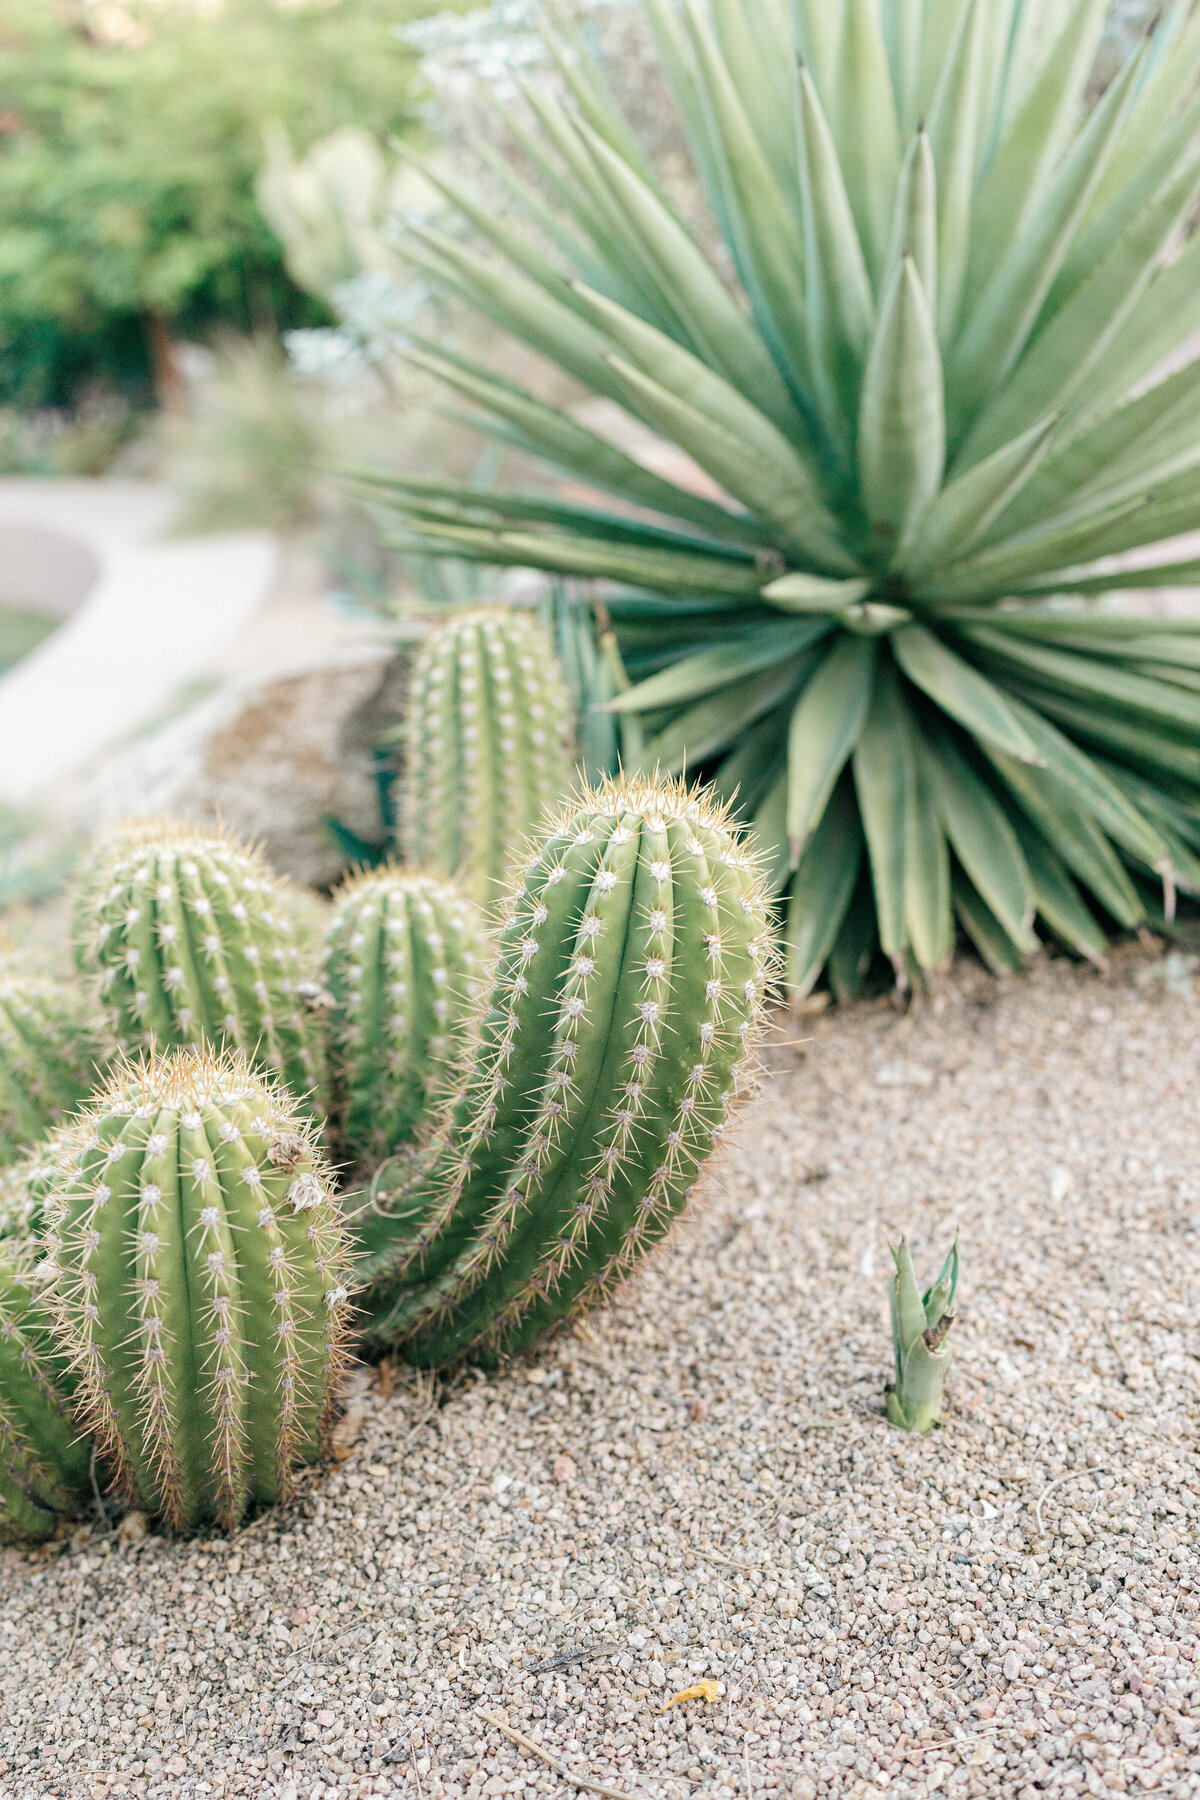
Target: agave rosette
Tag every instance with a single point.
(938, 395)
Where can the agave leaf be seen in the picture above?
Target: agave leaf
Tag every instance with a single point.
(1165, 318)
(884, 772)
(983, 840)
(1130, 739)
(1157, 575)
(822, 890)
(760, 647)
(711, 724)
(598, 105)
(954, 133)
(768, 836)
(902, 22)
(1090, 677)
(962, 692)
(915, 217)
(927, 904)
(1059, 901)
(853, 949)
(750, 771)
(803, 593)
(818, 37)
(866, 128)
(826, 723)
(1051, 807)
(902, 416)
(754, 36)
(994, 573)
(960, 516)
(984, 929)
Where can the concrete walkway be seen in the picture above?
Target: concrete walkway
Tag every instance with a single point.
(158, 614)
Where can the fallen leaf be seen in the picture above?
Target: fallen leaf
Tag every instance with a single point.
(703, 1690)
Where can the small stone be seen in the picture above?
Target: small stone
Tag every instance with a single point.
(563, 1471)
(325, 1719)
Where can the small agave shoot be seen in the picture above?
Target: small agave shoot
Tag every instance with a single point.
(920, 1329)
(191, 940)
(942, 372)
(486, 748)
(44, 1458)
(614, 1043)
(198, 1285)
(405, 957)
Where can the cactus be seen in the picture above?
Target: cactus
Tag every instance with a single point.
(198, 1269)
(920, 1327)
(44, 1468)
(194, 941)
(630, 978)
(49, 1053)
(403, 964)
(486, 739)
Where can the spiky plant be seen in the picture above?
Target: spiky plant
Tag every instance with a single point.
(191, 939)
(198, 1267)
(405, 957)
(949, 381)
(486, 747)
(920, 1329)
(50, 1050)
(630, 977)
(44, 1462)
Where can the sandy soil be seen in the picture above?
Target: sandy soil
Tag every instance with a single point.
(699, 1485)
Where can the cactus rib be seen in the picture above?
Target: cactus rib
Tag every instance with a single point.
(49, 1054)
(44, 1466)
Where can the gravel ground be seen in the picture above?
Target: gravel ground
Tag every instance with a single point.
(699, 1484)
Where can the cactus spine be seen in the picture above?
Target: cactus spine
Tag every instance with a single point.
(404, 961)
(200, 1284)
(630, 978)
(193, 941)
(49, 1053)
(487, 738)
(44, 1468)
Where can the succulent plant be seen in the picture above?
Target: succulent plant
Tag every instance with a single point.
(487, 738)
(192, 940)
(953, 383)
(615, 1040)
(44, 1464)
(198, 1284)
(50, 1051)
(920, 1327)
(405, 956)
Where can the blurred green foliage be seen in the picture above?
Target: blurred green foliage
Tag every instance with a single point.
(130, 138)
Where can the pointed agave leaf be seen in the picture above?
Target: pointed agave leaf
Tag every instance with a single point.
(840, 306)
(927, 902)
(866, 128)
(1093, 679)
(982, 839)
(970, 503)
(660, 570)
(1059, 901)
(818, 38)
(902, 418)
(1131, 740)
(768, 836)
(884, 773)
(854, 947)
(962, 692)
(984, 929)
(826, 723)
(992, 574)
(597, 103)
(1051, 806)
(710, 725)
(1166, 317)
(756, 41)
(750, 771)
(822, 891)
(902, 22)
(915, 217)
(803, 593)
(759, 648)
(954, 132)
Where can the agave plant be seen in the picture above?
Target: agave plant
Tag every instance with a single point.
(933, 386)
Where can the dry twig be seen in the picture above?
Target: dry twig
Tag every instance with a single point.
(580, 1781)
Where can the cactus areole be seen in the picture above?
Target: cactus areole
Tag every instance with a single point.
(198, 1285)
(630, 978)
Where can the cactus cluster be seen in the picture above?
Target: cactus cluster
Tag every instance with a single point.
(199, 1284)
(630, 976)
(49, 1055)
(191, 940)
(486, 748)
(44, 1467)
(404, 960)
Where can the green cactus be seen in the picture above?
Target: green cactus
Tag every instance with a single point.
(920, 1329)
(404, 962)
(630, 979)
(50, 1051)
(486, 755)
(199, 1284)
(44, 1466)
(194, 941)
(20, 1209)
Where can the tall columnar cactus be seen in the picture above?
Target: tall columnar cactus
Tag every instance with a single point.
(49, 1054)
(405, 957)
(199, 1284)
(630, 977)
(487, 738)
(44, 1464)
(194, 941)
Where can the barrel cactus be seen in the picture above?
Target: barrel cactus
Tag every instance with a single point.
(50, 1050)
(486, 747)
(404, 962)
(198, 1284)
(44, 1464)
(630, 978)
(193, 940)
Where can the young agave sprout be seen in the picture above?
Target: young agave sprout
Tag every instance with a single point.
(941, 374)
(920, 1330)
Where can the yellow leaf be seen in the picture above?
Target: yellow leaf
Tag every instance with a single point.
(703, 1690)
